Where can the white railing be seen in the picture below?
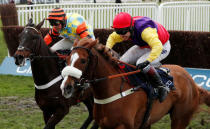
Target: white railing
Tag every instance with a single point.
(4, 1)
(98, 1)
(187, 16)
(89, 1)
(99, 15)
(193, 16)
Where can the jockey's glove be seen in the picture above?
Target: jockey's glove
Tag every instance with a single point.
(143, 65)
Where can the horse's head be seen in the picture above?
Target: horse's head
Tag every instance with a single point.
(81, 63)
(28, 42)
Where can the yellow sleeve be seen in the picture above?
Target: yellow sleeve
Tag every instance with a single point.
(113, 39)
(150, 36)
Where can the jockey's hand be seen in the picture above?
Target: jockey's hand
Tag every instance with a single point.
(143, 65)
(106, 50)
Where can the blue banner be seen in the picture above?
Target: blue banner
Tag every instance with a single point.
(200, 76)
(8, 67)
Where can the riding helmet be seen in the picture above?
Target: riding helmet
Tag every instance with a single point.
(122, 20)
(57, 14)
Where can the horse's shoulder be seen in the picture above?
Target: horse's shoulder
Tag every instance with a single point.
(181, 75)
(178, 72)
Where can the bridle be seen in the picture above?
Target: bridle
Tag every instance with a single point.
(84, 78)
(32, 51)
(30, 27)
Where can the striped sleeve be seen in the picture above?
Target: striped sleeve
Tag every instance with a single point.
(51, 36)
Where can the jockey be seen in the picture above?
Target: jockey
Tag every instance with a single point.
(70, 27)
(151, 45)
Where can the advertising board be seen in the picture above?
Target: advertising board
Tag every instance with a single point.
(8, 67)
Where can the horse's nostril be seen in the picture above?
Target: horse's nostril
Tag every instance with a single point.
(20, 56)
(18, 59)
(68, 87)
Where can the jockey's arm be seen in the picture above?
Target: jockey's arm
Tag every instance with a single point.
(82, 30)
(51, 36)
(113, 39)
(150, 36)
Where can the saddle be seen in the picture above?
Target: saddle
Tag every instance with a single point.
(140, 80)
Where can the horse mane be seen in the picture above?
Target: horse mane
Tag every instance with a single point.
(83, 42)
(99, 47)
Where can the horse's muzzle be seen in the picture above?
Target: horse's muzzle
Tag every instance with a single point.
(19, 60)
(68, 91)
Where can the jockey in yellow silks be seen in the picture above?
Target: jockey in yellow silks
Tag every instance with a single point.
(70, 27)
(151, 45)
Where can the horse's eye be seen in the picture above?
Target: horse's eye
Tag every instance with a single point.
(83, 61)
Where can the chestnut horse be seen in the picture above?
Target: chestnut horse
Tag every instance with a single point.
(47, 77)
(113, 110)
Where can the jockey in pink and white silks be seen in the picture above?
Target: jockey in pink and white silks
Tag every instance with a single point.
(151, 41)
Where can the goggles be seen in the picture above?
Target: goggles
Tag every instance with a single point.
(122, 31)
(54, 22)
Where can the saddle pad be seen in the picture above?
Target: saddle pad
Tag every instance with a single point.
(140, 79)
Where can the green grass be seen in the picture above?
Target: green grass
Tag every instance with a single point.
(23, 113)
(18, 109)
(16, 86)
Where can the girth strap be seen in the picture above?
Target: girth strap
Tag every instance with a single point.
(115, 97)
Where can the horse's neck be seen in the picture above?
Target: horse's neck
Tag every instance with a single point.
(44, 68)
(108, 87)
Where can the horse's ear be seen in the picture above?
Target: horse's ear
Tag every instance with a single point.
(75, 42)
(40, 24)
(93, 43)
(30, 22)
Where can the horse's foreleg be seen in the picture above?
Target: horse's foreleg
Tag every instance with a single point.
(46, 115)
(122, 127)
(148, 127)
(89, 104)
(180, 122)
(95, 126)
(55, 118)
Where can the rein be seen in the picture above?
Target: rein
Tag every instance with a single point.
(112, 76)
(116, 75)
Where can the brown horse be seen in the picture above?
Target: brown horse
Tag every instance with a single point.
(47, 77)
(113, 110)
